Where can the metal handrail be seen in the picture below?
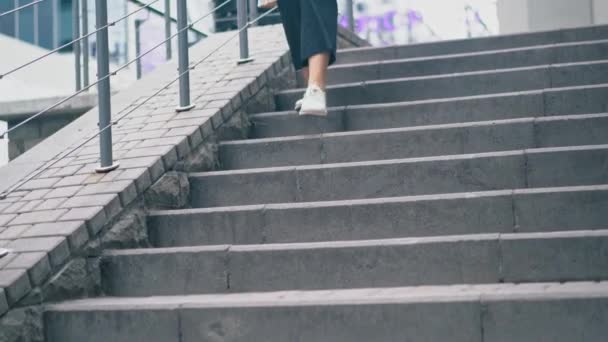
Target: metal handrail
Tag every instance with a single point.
(64, 154)
(111, 73)
(17, 9)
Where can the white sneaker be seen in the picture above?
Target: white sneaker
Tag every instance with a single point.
(298, 105)
(314, 102)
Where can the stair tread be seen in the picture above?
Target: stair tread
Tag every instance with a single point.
(404, 295)
(406, 241)
(460, 156)
(466, 54)
(451, 75)
(438, 100)
(399, 199)
(416, 128)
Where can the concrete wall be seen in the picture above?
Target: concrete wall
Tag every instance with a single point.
(538, 15)
(33, 132)
(600, 11)
(3, 145)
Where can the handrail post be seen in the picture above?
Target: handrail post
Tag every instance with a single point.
(350, 14)
(103, 89)
(167, 16)
(184, 62)
(76, 45)
(85, 43)
(241, 9)
(138, 23)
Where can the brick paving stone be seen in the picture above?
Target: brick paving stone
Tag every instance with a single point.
(37, 264)
(65, 161)
(187, 122)
(14, 208)
(162, 117)
(30, 206)
(88, 169)
(141, 177)
(16, 284)
(89, 201)
(38, 217)
(148, 151)
(67, 191)
(94, 178)
(5, 219)
(34, 184)
(125, 188)
(104, 188)
(15, 194)
(3, 302)
(70, 170)
(169, 141)
(56, 246)
(13, 232)
(47, 173)
(7, 259)
(94, 216)
(72, 180)
(153, 126)
(51, 204)
(36, 194)
(143, 135)
(183, 131)
(75, 231)
(154, 165)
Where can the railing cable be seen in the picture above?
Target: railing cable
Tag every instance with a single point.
(76, 40)
(14, 10)
(56, 159)
(112, 73)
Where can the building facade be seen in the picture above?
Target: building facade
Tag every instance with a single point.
(538, 15)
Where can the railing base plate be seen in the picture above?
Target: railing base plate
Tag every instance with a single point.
(244, 61)
(107, 168)
(185, 109)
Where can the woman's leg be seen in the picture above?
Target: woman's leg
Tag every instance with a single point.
(318, 44)
(317, 66)
(319, 37)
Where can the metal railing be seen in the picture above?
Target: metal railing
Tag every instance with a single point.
(104, 74)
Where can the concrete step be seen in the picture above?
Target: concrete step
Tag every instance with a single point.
(417, 141)
(445, 260)
(477, 61)
(548, 102)
(506, 211)
(566, 166)
(467, 313)
(457, 85)
(472, 45)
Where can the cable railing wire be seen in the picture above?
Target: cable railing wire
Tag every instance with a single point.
(56, 159)
(161, 43)
(112, 73)
(57, 49)
(15, 10)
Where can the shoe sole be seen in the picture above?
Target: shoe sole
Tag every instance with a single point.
(313, 112)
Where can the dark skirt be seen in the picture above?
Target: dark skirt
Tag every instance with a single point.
(311, 27)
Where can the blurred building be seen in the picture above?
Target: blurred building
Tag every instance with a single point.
(385, 22)
(537, 15)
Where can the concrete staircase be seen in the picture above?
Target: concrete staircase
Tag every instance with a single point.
(461, 195)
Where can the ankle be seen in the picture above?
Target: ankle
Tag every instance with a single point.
(316, 85)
